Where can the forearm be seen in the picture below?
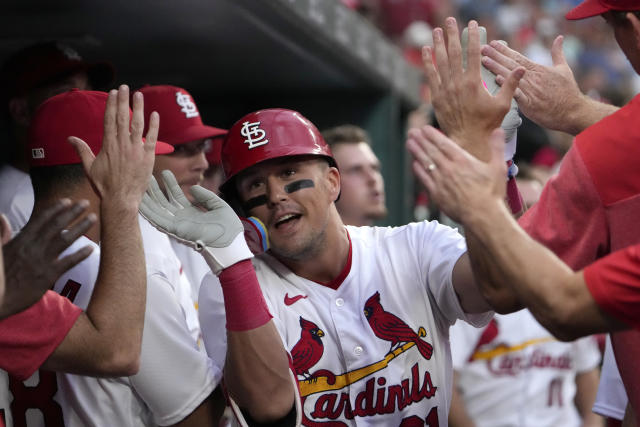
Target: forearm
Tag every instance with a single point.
(515, 261)
(458, 415)
(586, 389)
(586, 113)
(257, 371)
(117, 305)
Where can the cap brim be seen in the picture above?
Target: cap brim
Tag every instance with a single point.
(586, 9)
(193, 133)
(163, 147)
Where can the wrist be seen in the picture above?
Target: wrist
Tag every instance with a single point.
(126, 207)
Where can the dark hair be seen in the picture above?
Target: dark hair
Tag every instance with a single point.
(620, 16)
(49, 181)
(345, 134)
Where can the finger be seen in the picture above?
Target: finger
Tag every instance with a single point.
(425, 178)
(137, 119)
(445, 146)
(84, 152)
(416, 146)
(122, 115)
(508, 88)
(454, 48)
(495, 67)
(519, 95)
(442, 59)
(110, 132)
(53, 228)
(207, 199)
(557, 55)
(38, 223)
(69, 261)
(473, 50)
(152, 132)
(433, 79)
(71, 235)
(174, 192)
(158, 196)
(508, 57)
(156, 214)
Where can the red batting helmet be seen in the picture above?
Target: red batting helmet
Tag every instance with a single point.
(269, 134)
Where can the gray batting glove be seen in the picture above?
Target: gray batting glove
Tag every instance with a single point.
(216, 233)
(512, 119)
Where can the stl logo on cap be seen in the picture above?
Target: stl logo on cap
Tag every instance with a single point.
(37, 153)
(255, 136)
(188, 106)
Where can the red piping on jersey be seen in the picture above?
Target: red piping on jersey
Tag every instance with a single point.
(335, 283)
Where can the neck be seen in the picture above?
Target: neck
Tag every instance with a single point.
(329, 261)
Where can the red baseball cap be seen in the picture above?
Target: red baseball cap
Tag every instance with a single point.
(180, 120)
(214, 154)
(77, 113)
(589, 8)
(43, 63)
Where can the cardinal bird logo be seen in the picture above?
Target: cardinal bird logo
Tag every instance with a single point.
(308, 350)
(389, 327)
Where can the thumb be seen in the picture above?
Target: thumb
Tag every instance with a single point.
(557, 55)
(510, 85)
(83, 150)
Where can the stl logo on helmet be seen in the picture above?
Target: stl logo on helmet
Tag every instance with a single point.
(254, 136)
(188, 106)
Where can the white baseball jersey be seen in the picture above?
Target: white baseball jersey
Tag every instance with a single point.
(374, 351)
(611, 400)
(175, 376)
(16, 196)
(514, 373)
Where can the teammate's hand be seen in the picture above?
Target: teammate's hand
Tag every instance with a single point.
(547, 95)
(31, 259)
(464, 108)
(120, 172)
(216, 232)
(460, 184)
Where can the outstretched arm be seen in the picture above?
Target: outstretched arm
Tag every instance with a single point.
(257, 374)
(472, 193)
(549, 96)
(107, 339)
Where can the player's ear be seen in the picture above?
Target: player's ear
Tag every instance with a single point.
(333, 182)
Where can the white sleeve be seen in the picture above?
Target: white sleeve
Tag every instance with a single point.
(174, 377)
(586, 354)
(611, 400)
(439, 248)
(463, 338)
(213, 321)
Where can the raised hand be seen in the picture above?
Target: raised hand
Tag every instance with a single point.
(459, 183)
(465, 109)
(32, 259)
(121, 171)
(549, 96)
(216, 232)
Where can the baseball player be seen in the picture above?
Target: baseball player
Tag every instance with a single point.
(514, 373)
(170, 359)
(362, 198)
(588, 210)
(182, 127)
(362, 312)
(27, 78)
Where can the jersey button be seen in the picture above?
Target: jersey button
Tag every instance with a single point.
(339, 302)
(358, 350)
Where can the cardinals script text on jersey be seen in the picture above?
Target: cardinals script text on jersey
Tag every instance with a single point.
(375, 350)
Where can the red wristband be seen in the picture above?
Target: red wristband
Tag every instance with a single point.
(244, 303)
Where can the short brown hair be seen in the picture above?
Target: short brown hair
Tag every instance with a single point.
(345, 134)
